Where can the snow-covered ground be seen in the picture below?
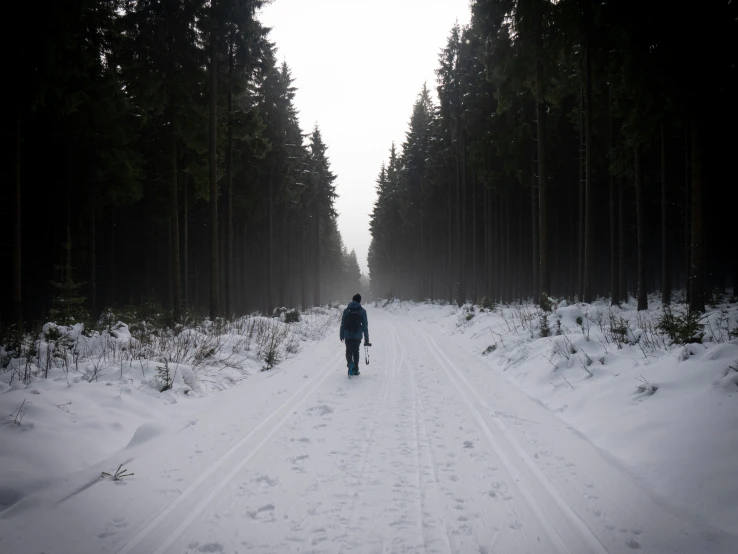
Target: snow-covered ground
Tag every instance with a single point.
(434, 448)
(665, 413)
(90, 397)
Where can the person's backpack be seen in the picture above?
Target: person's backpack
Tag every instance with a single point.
(353, 321)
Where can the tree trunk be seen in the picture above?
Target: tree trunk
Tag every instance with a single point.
(270, 246)
(696, 280)
(687, 215)
(623, 283)
(174, 219)
(229, 186)
(112, 295)
(520, 281)
(93, 254)
(170, 264)
(316, 268)
(185, 246)
(282, 266)
(213, 173)
(459, 267)
(614, 275)
(450, 257)
(582, 181)
(534, 238)
(503, 251)
(464, 235)
(589, 203)
(665, 276)
(485, 246)
(641, 230)
(303, 260)
(68, 244)
(17, 297)
(474, 297)
(542, 176)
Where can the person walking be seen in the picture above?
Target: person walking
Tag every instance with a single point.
(354, 324)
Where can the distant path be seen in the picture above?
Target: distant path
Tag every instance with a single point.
(428, 451)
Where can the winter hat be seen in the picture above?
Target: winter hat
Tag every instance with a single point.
(357, 298)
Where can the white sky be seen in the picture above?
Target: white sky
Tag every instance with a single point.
(358, 67)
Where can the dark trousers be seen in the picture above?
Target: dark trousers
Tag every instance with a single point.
(352, 351)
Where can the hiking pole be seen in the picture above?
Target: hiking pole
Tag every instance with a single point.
(366, 352)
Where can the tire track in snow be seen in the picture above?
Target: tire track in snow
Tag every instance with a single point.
(569, 514)
(156, 522)
(425, 451)
(419, 483)
(384, 394)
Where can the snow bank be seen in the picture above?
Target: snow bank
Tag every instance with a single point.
(72, 399)
(666, 412)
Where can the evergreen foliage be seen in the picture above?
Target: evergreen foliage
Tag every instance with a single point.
(566, 155)
(110, 119)
(681, 328)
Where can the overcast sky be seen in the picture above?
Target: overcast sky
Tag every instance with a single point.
(358, 67)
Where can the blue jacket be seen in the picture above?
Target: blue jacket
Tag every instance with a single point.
(345, 334)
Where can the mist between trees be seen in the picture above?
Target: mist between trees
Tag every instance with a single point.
(156, 156)
(577, 149)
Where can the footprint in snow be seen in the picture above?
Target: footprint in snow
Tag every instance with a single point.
(267, 510)
(266, 481)
(210, 547)
(468, 444)
(321, 409)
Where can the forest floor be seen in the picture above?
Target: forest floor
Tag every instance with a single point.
(466, 433)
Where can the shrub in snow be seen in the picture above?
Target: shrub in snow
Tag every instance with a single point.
(545, 330)
(68, 305)
(646, 388)
(714, 298)
(546, 303)
(729, 378)
(16, 345)
(618, 331)
(682, 329)
(118, 474)
(18, 419)
(164, 376)
(292, 316)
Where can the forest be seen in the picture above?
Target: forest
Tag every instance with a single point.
(575, 150)
(153, 156)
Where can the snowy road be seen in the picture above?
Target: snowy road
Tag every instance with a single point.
(429, 450)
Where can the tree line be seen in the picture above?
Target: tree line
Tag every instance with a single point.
(153, 154)
(576, 149)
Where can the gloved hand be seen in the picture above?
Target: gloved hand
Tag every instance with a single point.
(367, 343)
(341, 340)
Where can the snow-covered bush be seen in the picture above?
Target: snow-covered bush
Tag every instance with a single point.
(292, 316)
(545, 330)
(118, 348)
